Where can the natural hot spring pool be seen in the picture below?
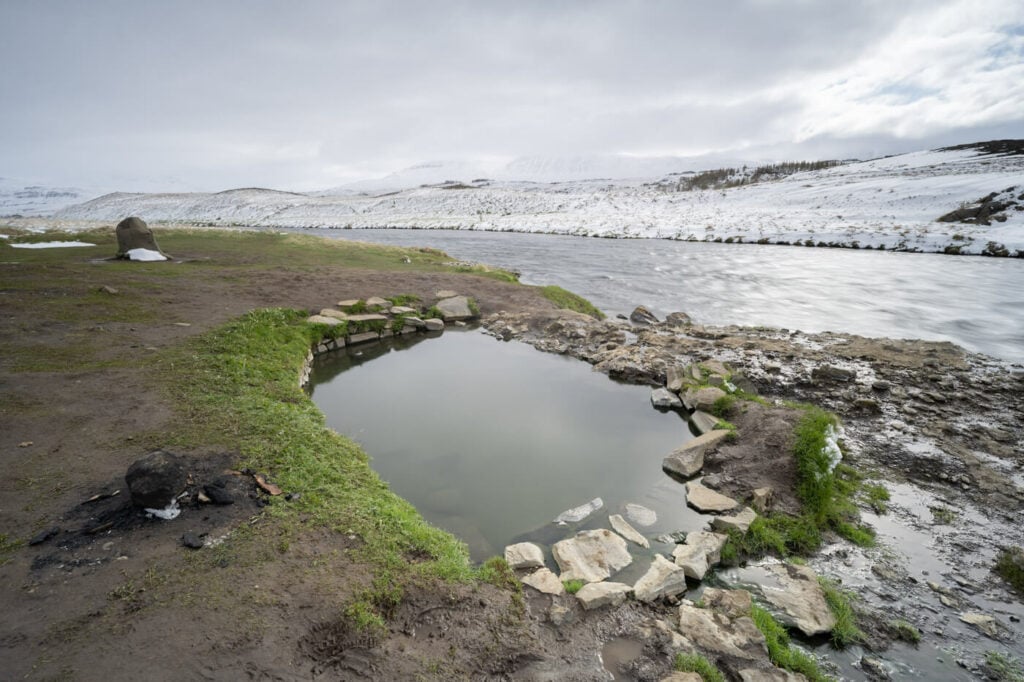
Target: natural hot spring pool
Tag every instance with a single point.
(492, 440)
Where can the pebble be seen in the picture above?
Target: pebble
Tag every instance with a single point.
(192, 541)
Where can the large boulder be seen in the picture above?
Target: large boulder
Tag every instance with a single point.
(711, 543)
(665, 399)
(591, 555)
(688, 458)
(692, 559)
(702, 398)
(795, 592)
(455, 308)
(715, 632)
(642, 316)
(133, 233)
(663, 579)
(524, 555)
(156, 478)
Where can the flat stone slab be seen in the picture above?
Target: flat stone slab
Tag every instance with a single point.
(797, 594)
(445, 293)
(595, 595)
(641, 515)
(591, 555)
(716, 632)
(368, 317)
(688, 459)
(739, 522)
(544, 580)
(323, 319)
(363, 337)
(331, 312)
(524, 555)
(704, 499)
(577, 514)
(403, 310)
(662, 579)
(704, 422)
(622, 527)
(378, 302)
(733, 603)
(347, 303)
(665, 399)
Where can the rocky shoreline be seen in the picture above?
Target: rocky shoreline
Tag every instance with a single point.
(930, 420)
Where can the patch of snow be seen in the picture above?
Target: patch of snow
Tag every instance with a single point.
(48, 245)
(5, 236)
(168, 513)
(145, 255)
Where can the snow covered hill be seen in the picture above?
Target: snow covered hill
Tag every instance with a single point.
(891, 203)
(26, 199)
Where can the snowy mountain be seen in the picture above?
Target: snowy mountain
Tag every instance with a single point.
(892, 203)
(21, 198)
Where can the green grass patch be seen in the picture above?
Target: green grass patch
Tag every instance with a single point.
(570, 301)
(904, 631)
(573, 586)
(845, 631)
(8, 546)
(943, 516)
(781, 652)
(723, 407)
(695, 663)
(407, 300)
(815, 466)
(876, 495)
(1010, 567)
(1003, 667)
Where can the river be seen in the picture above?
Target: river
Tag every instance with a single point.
(975, 302)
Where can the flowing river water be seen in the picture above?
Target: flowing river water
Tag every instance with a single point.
(492, 440)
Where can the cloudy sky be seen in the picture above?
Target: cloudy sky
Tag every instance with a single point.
(140, 95)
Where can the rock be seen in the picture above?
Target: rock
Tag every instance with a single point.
(676, 378)
(348, 303)
(682, 677)
(692, 559)
(336, 314)
(44, 535)
(543, 580)
(705, 499)
(715, 367)
(433, 325)
(455, 308)
(702, 398)
(418, 322)
(577, 514)
(703, 422)
(738, 522)
(688, 458)
(107, 289)
(218, 494)
(156, 478)
(323, 319)
(402, 310)
(363, 337)
(715, 632)
(796, 593)
(663, 398)
(874, 668)
(642, 316)
(192, 541)
(133, 233)
(524, 555)
(641, 515)
(445, 293)
(827, 374)
(711, 543)
(365, 318)
(591, 555)
(377, 302)
(986, 624)
(761, 499)
(881, 386)
(622, 527)
(678, 320)
(733, 603)
(769, 675)
(560, 615)
(663, 579)
(595, 595)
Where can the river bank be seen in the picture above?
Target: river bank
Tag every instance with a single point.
(274, 598)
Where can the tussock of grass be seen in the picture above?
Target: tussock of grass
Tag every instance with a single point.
(573, 586)
(1010, 567)
(695, 663)
(570, 301)
(876, 496)
(845, 631)
(1003, 667)
(904, 631)
(723, 407)
(781, 652)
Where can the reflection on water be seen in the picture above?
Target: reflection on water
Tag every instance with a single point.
(492, 440)
(975, 302)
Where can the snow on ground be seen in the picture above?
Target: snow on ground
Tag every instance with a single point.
(891, 202)
(49, 245)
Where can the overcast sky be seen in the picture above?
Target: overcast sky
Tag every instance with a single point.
(140, 95)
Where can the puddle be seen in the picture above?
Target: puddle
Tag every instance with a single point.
(493, 440)
(617, 654)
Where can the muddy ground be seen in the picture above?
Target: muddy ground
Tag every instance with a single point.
(102, 599)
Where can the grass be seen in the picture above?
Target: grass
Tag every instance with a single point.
(573, 586)
(904, 631)
(876, 496)
(943, 516)
(570, 301)
(8, 546)
(845, 632)
(695, 663)
(1010, 567)
(781, 652)
(723, 407)
(1003, 667)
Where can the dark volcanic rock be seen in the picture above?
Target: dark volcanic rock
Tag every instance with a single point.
(642, 315)
(192, 541)
(156, 478)
(134, 233)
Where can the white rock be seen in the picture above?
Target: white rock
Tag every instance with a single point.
(641, 515)
(740, 521)
(596, 595)
(622, 527)
(455, 308)
(524, 555)
(577, 514)
(322, 319)
(336, 314)
(662, 397)
(716, 632)
(433, 325)
(704, 499)
(795, 591)
(711, 543)
(662, 579)
(544, 580)
(692, 559)
(591, 555)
